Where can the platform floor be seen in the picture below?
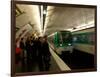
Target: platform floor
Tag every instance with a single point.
(75, 60)
(35, 67)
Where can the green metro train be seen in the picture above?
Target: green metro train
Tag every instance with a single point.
(83, 40)
(62, 41)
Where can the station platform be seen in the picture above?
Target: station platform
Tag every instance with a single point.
(66, 61)
(56, 64)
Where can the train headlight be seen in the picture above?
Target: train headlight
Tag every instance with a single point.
(69, 44)
(60, 44)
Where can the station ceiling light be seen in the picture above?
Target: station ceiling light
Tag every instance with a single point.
(44, 12)
(83, 26)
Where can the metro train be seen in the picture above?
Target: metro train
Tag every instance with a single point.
(61, 41)
(83, 40)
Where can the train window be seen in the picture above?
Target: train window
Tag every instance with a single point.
(60, 38)
(91, 38)
(85, 38)
(74, 39)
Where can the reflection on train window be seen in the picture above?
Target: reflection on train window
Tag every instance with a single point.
(86, 38)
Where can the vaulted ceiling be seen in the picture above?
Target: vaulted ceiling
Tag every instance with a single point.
(63, 18)
(30, 15)
(57, 17)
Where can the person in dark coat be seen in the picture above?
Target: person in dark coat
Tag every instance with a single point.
(29, 54)
(18, 52)
(43, 54)
(39, 54)
(46, 54)
(33, 45)
(22, 46)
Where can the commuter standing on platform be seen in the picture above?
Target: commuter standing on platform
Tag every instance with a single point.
(33, 49)
(22, 46)
(18, 54)
(40, 54)
(27, 47)
(46, 54)
(43, 54)
(29, 55)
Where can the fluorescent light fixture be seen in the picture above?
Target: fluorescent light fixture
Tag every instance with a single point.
(83, 26)
(69, 29)
(52, 34)
(44, 12)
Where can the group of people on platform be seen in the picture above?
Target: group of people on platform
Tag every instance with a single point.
(33, 50)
